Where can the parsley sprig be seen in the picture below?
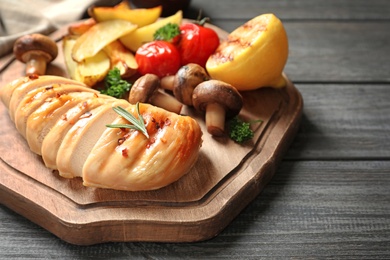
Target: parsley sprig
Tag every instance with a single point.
(167, 33)
(240, 131)
(115, 86)
(136, 123)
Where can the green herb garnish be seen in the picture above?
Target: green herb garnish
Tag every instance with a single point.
(240, 131)
(167, 32)
(115, 86)
(136, 123)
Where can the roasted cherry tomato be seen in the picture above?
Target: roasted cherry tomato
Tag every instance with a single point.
(197, 43)
(158, 57)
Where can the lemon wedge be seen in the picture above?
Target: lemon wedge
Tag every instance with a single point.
(253, 56)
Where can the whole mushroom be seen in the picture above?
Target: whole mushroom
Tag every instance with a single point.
(219, 100)
(184, 82)
(36, 50)
(146, 90)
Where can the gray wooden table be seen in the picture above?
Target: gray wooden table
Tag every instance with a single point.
(330, 197)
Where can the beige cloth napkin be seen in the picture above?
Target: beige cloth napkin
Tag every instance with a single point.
(22, 17)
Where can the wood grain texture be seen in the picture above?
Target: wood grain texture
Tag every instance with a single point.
(298, 10)
(307, 210)
(348, 121)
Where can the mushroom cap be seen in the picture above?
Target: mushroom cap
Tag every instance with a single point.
(185, 81)
(215, 91)
(144, 88)
(35, 44)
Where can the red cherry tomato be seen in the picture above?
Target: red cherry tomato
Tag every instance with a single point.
(197, 43)
(158, 57)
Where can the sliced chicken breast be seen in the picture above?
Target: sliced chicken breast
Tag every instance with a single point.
(66, 124)
(83, 135)
(54, 138)
(42, 81)
(40, 122)
(35, 98)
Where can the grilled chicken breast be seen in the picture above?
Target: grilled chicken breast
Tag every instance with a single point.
(66, 123)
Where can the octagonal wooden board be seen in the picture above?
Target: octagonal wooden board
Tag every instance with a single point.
(225, 179)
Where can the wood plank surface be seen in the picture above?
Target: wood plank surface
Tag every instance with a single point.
(296, 10)
(329, 199)
(306, 211)
(343, 121)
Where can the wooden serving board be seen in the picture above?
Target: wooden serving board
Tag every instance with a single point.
(226, 177)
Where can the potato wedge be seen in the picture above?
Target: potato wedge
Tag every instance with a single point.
(68, 42)
(121, 58)
(81, 27)
(99, 36)
(135, 39)
(93, 70)
(89, 71)
(140, 16)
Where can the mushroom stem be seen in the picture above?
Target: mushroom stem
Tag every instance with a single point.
(36, 65)
(166, 102)
(167, 82)
(36, 50)
(218, 100)
(145, 89)
(215, 119)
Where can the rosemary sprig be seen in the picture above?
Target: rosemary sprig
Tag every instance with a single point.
(136, 123)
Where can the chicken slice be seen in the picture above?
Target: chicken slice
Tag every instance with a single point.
(7, 90)
(35, 98)
(40, 122)
(20, 91)
(54, 138)
(79, 140)
(127, 160)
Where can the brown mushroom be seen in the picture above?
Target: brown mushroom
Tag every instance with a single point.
(184, 82)
(219, 100)
(36, 50)
(145, 90)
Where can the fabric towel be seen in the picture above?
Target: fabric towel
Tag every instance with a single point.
(21, 17)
